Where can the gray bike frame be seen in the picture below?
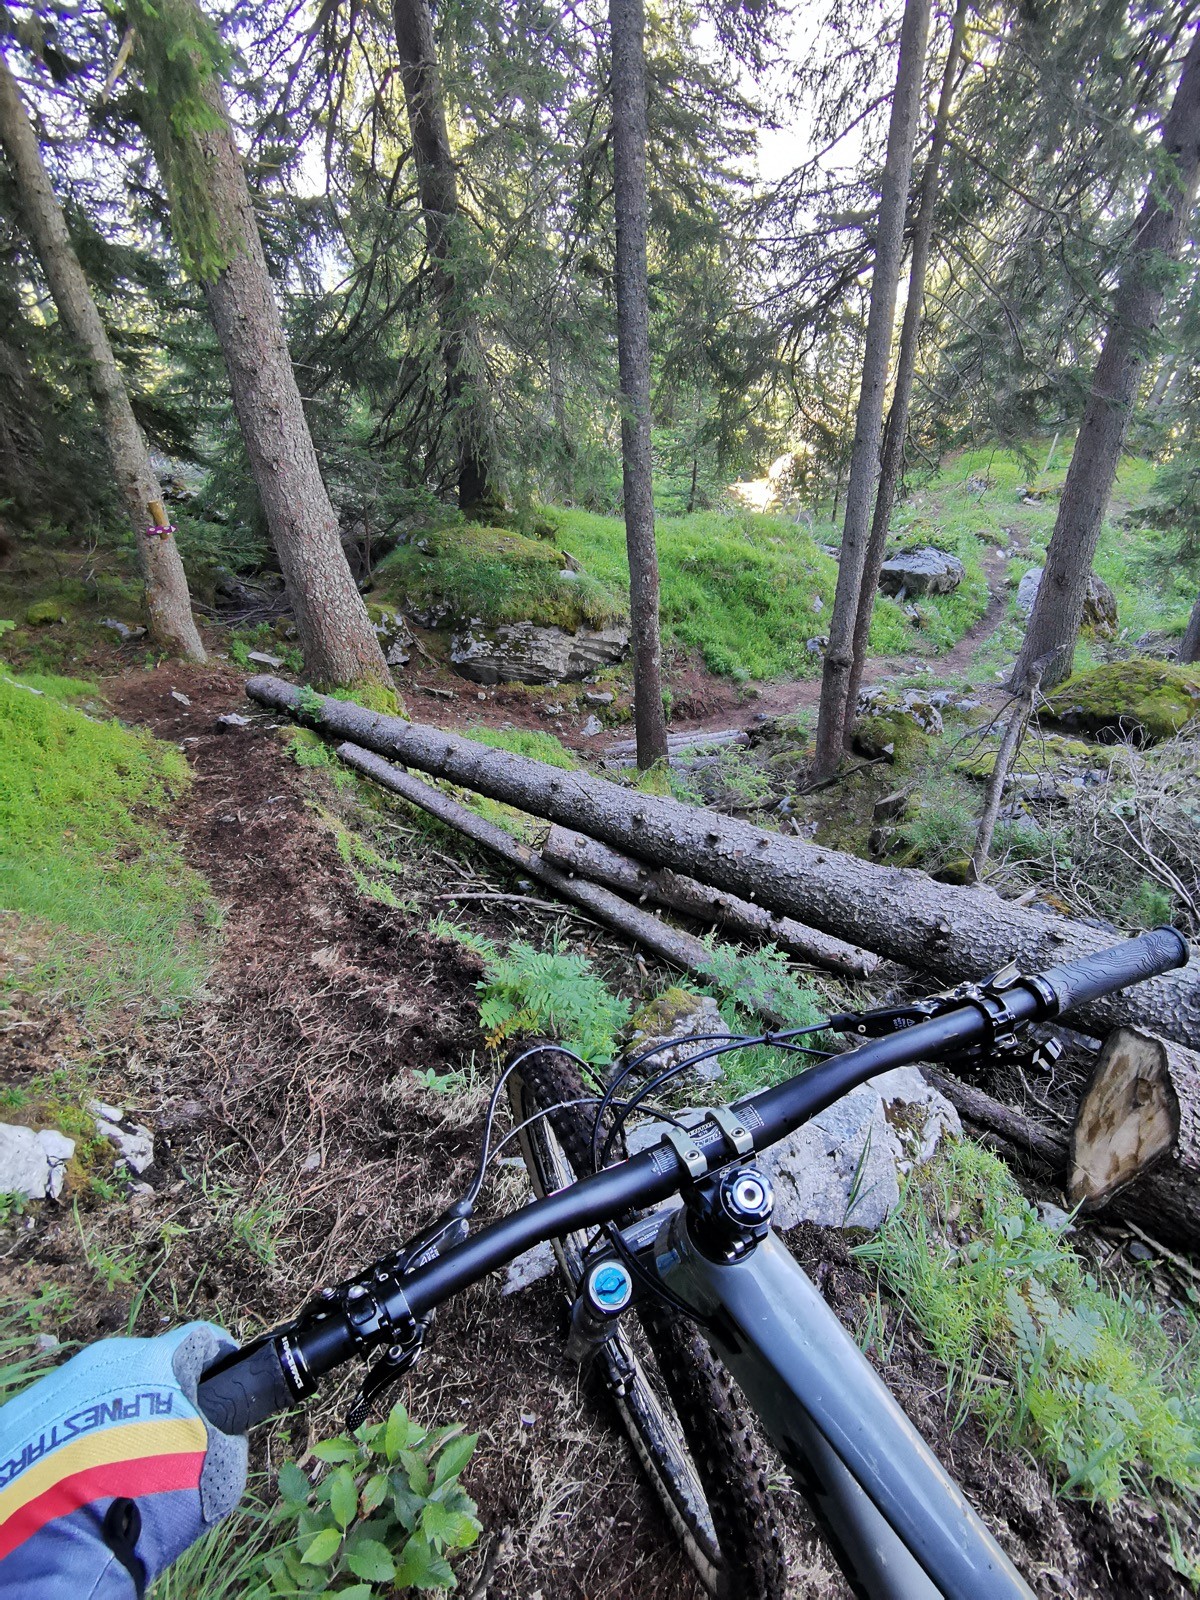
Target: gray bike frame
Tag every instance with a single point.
(900, 1526)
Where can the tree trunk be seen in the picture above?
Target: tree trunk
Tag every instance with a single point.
(575, 852)
(1058, 610)
(1189, 645)
(833, 720)
(1135, 1145)
(1005, 756)
(168, 604)
(627, 21)
(468, 401)
(933, 927)
(892, 464)
(336, 636)
(681, 949)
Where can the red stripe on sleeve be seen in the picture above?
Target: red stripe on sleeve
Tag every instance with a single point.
(128, 1479)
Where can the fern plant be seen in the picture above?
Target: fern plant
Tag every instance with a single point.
(550, 991)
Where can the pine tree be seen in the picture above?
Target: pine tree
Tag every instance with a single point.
(170, 623)
(217, 237)
(836, 710)
(1058, 610)
(627, 20)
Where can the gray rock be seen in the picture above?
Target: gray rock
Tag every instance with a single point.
(181, 698)
(133, 1143)
(122, 629)
(395, 636)
(599, 697)
(262, 659)
(101, 1108)
(33, 1164)
(525, 652)
(666, 1024)
(881, 700)
(230, 722)
(817, 646)
(529, 1268)
(591, 728)
(924, 570)
(1099, 606)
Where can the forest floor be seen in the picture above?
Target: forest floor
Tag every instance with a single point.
(321, 1097)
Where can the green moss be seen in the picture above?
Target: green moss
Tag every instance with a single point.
(44, 612)
(1038, 753)
(1141, 699)
(82, 854)
(497, 575)
(374, 696)
(659, 1016)
(894, 734)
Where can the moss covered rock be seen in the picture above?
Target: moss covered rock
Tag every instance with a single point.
(1141, 700)
(1039, 753)
(666, 1024)
(898, 724)
(42, 613)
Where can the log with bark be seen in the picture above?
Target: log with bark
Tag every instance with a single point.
(1137, 1135)
(681, 949)
(939, 928)
(575, 852)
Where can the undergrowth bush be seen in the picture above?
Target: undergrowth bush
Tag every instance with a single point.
(1089, 1378)
(549, 991)
(82, 854)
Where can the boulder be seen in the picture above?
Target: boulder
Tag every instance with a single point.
(896, 723)
(1141, 701)
(924, 570)
(665, 1023)
(33, 1164)
(1099, 606)
(394, 635)
(525, 652)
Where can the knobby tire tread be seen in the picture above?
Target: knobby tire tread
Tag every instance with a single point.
(713, 1419)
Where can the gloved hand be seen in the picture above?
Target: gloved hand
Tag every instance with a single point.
(108, 1471)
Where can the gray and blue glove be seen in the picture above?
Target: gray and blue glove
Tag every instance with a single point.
(108, 1471)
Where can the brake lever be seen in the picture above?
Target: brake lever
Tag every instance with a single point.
(893, 1019)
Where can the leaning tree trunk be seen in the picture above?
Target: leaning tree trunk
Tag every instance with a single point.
(168, 604)
(1058, 610)
(833, 721)
(1189, 645)
(892, 463)
(217, 234)
(468, 401)
(933, 927)
(627, 20)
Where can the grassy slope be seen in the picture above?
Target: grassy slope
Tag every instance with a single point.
(102, 893)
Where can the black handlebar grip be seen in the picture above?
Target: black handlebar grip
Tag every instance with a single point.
(250, 1389)
(1116, 968)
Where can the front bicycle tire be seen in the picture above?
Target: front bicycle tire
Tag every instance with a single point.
(675, 1400)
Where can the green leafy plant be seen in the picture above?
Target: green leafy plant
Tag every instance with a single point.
(389, 1515)
(534, 991)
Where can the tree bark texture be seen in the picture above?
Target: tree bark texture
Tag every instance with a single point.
(836, 711)
(1058, 610)
(336, 636)
(627, 18)
(1189, 645)
(468, 399)
(894, 434)
(993, 792)
(575, 852)
(168, 604)
(933, 927)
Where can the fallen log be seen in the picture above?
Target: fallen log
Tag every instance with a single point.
(680, 949)
(939, 928)
(575, 852)
(1013, 1126)
(1136, 1135)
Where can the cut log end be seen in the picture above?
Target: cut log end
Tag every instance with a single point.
(1128, 1118)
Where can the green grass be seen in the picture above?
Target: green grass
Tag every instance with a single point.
(1088, 1377)
(83, 859)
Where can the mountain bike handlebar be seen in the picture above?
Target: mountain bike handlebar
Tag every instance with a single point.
(388, 1305)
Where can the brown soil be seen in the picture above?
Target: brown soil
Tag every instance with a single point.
(294, 1143)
